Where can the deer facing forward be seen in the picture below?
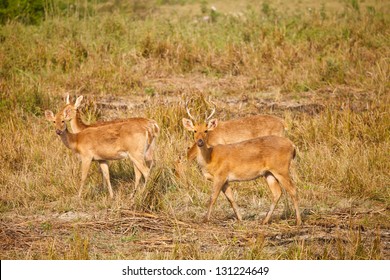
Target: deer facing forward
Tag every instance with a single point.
(77, 125)
(237, 130)
(118, 140)
(268, 156)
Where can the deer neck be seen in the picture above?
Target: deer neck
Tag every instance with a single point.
(204, 155)
(69, 139)
(77, 123)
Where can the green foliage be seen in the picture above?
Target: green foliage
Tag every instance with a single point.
(25, 11)
(355, 5)
(334, 71)
(33, 102)
(266, 8)
(5, 104)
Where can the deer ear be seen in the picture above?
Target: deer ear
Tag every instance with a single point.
(68, 113)
(78, 101)
(212, 124)
(187, 123)
(49, 115)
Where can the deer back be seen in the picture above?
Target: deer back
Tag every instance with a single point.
(116, 140)
(238, 130)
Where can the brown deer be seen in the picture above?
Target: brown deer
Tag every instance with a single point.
(233, 131)
(77, 125)
(116, 140)
(268, 156)
(237, 130)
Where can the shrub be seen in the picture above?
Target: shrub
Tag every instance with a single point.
(26, 11)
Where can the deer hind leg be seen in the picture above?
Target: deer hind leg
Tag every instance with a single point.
(276, 193)
(227, 190)
(140, 167)
(287, 183)
(217, 187)
(85, 164)
(106, 176)
(138, 175)
(149, 155)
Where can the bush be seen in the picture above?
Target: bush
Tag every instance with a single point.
(26, 11)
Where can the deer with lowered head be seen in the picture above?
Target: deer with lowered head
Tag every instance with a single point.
(113, 141)
(268, 156)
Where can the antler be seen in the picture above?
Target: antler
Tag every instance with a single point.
(212, 112)
(188, 111)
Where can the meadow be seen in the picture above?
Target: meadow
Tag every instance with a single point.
(323, 66)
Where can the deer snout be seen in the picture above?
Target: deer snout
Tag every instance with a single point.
(58, 131)
(200, 142)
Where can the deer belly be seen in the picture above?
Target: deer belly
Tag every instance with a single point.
(245, 175)
(111, 155)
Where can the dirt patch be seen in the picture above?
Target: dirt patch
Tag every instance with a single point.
(134, 234)
(226, 106)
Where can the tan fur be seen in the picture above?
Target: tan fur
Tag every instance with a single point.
(112, 141)
(268, 156)
(233, 131)
(237, 130)
(77, 125)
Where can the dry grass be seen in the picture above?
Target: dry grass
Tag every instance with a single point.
(324, 68)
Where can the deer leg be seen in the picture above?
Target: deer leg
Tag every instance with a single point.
(227, 190)
(141, 165)
(138, 176)
(276, 193)
(217, 187)
(85, 164)
(286, 182)
(139, 168)
(106, 176)
(149, 155)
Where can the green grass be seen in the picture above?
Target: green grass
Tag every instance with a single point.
(148, 56)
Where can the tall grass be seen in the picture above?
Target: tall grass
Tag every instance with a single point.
(114, 53)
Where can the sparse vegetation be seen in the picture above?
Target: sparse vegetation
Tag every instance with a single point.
(324, 67)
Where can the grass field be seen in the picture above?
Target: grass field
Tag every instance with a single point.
(323, 66)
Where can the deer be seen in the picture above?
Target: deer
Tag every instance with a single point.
(113, 141)
(237, 130)
(77, 125)
(233, 131)
(268, 156)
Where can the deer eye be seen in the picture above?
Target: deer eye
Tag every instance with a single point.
(205, 131)
(194, 131)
